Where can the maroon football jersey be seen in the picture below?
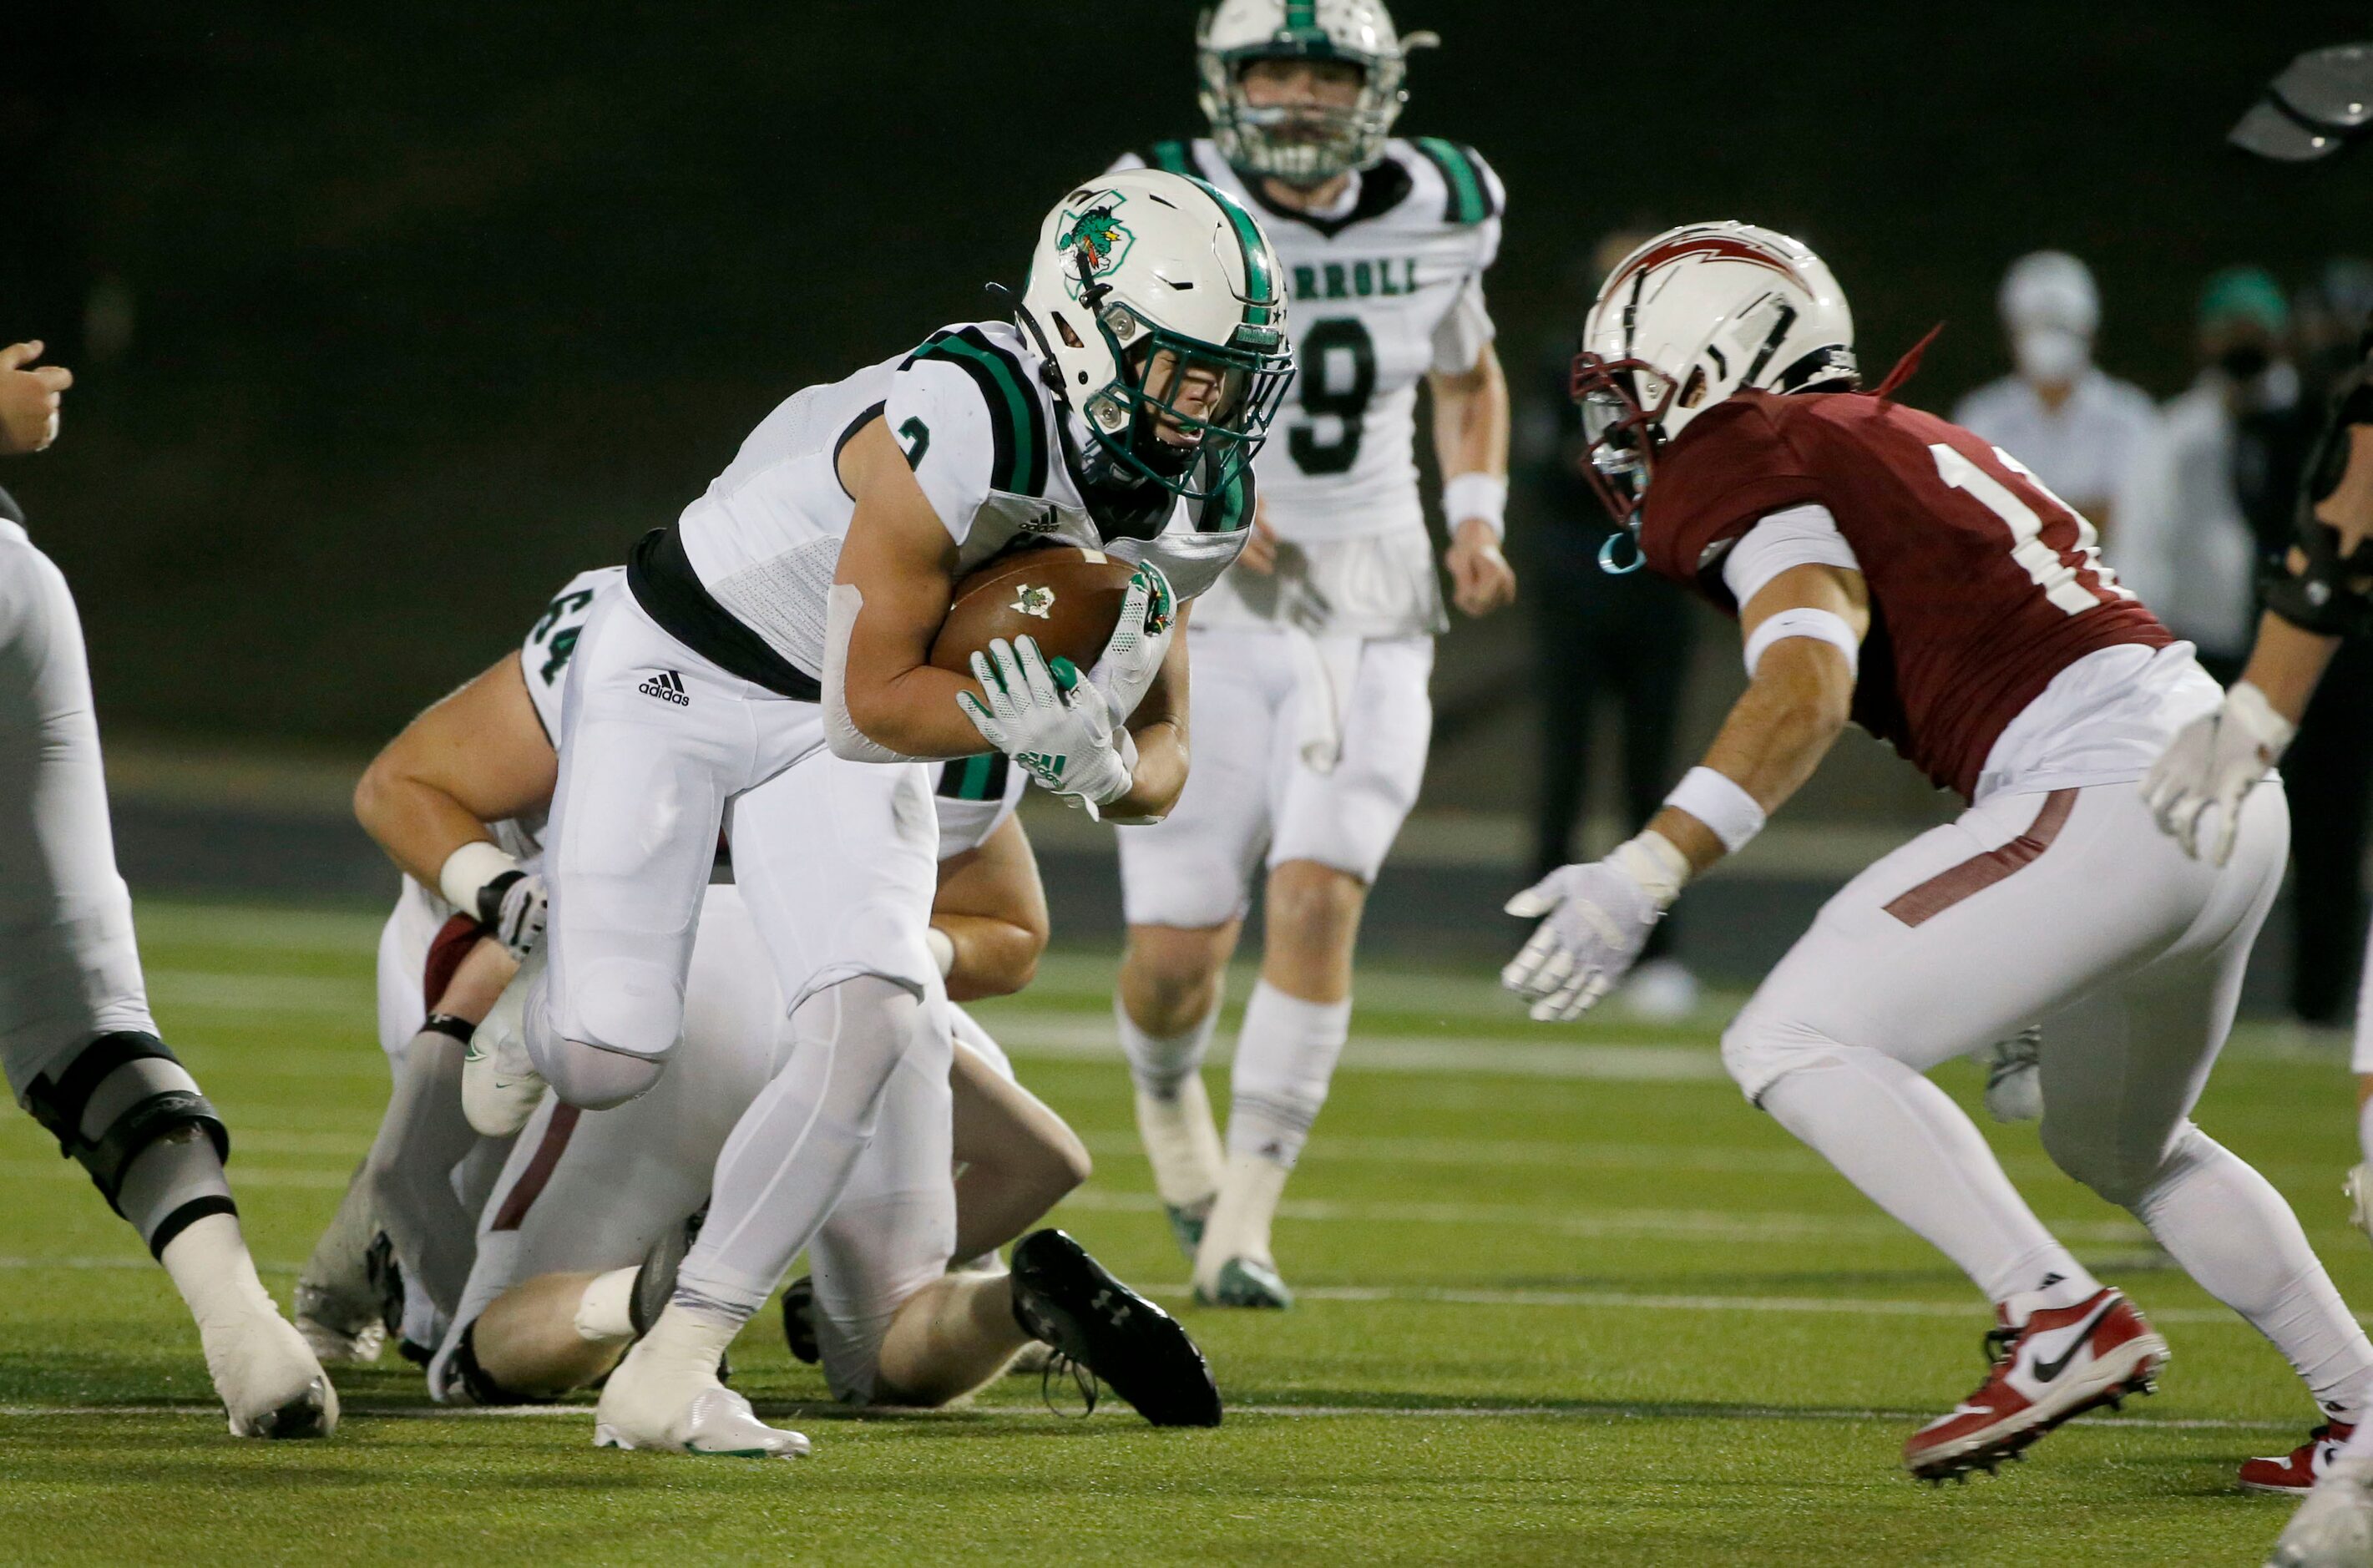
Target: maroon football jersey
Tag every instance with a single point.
(1983, 585)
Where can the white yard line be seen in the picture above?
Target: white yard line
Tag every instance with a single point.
(1739, 1227)
(1581, 1412)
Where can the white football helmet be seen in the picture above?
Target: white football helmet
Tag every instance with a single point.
(1143, 284)
(1302, 145)
(1693, 316)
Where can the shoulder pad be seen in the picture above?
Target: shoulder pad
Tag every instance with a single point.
(1474, 193)
(1016, 420)
(1174, 157)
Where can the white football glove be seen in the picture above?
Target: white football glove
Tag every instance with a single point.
(515, 907)
(1149, 615)
(1068, 743)
(2215, 761)
(1597, 919)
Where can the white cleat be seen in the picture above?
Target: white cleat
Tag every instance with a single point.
(643, 1407)
(333, 1347)
(2333, 1529)
(500, 1086)
(270, 1382)
(2358, 1189)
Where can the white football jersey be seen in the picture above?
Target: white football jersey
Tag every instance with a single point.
(1383, 291)
(979, 427)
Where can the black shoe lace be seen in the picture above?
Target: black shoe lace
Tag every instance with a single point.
(1997, 1344)
(1083, 1379)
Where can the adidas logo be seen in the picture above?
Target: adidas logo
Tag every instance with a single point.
(1045, 522)
(667, 686)
(1047, 770)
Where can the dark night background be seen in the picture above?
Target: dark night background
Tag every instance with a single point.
(387, 318)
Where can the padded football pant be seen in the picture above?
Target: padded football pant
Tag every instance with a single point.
(2074, 910)
(594, 1190)
(69, 968)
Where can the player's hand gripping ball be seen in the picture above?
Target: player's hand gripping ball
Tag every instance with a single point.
(1035, 713)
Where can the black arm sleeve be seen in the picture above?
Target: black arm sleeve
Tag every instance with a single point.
(2321, 597)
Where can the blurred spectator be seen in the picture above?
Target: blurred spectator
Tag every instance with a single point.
(1614, 644)
(2210, 494)
(2078, 428)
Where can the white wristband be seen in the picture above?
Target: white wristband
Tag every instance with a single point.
(470, 868)
(1716, 800)
(943, 949)
(1476, 495)
(1822, 626)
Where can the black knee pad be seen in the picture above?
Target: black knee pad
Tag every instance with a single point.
(122, 1093)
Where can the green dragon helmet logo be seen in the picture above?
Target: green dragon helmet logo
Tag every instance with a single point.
(1094, 233)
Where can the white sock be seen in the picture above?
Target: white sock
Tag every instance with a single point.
(793, 1150)
(211, 1268)
(1285, 1055)
(687, 1342)
(2232, 1232)
(1912, 1150)
(606, 1309)
(1182, 1143)
(1240, 1217)
(1160, 1063)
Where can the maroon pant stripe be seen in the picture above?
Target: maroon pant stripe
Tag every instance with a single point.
(1946, 888)
(539, 1169)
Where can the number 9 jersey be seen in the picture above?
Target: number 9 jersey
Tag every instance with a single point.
(1385, 289)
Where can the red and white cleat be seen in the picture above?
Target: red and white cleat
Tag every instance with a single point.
(2293, 1474)
(2061, 1363)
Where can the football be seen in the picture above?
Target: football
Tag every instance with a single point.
(1066, 598)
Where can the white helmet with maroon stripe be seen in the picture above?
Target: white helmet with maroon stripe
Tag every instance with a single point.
(1693, 316)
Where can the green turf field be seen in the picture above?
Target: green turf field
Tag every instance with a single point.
(1566, 1299)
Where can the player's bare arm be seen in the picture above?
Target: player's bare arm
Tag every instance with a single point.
(902, 564)
(992, 910)
(32, 398)
(1792, 712)
(2196, 788)
(477, 757)
(1470, 438)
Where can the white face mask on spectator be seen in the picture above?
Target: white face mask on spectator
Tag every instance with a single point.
(2052, 356)
(2051, 309)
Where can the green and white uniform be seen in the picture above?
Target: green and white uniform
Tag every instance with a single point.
(1310, 710)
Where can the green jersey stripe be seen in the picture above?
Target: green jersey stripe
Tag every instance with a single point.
(1470, 192)
(979, 777)
(1019, 464)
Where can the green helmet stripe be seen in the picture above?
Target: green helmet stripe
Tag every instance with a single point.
(1300, 16)
(1260, 287)
(1171, 158)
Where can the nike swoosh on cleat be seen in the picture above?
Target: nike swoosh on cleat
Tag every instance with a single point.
(2045, 1371)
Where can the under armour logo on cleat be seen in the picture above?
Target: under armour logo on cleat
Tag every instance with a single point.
(1111, 1306)
(667, 686)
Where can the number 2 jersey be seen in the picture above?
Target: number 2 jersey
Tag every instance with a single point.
(742, 576)
(1384, 291)
(2002, 650)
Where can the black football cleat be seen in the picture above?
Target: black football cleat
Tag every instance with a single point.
(1064, 1297)
(799, 1320)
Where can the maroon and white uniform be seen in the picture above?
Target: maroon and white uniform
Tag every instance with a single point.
(2007, 663)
